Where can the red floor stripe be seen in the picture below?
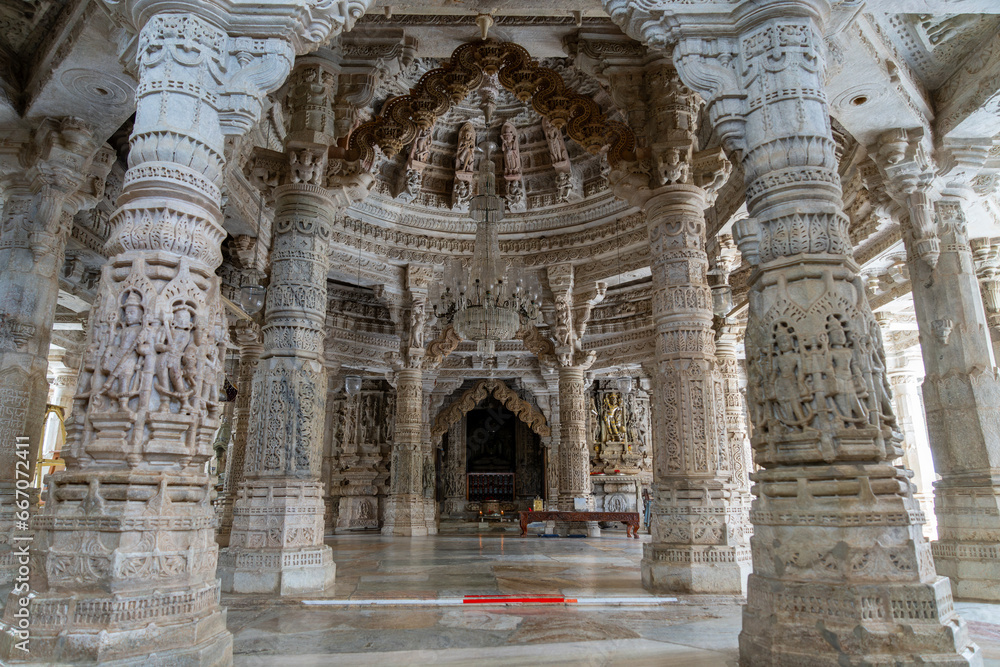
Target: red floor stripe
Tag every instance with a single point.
(494, 599)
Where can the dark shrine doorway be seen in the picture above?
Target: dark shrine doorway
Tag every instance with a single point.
(504, 458)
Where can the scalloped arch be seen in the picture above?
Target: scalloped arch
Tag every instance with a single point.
(523, 410)
(402, 117)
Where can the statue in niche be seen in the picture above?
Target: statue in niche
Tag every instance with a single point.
(417, 319)
(462, 194)
(880, 380)
(613, 417)
(787, 379)
(422, 147)
(177, 356)
(305, 167)
(557, 147)
(595, 418)
(511, 152)
(564, 186)
(564, 321)
(465, 155)
(672, 169)
(123, 360)
(369, 425)
(515, 195)
(846, 384)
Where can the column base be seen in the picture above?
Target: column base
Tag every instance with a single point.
(972, 567)
(122, 629)
(404, 516)
(681, 568)
(789, 623)
(277, 571)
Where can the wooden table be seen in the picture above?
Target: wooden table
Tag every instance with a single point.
(630, 519)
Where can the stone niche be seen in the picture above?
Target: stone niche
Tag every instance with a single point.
(360, 432)
(620, 449)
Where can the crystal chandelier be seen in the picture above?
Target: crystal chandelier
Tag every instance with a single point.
(487, 311)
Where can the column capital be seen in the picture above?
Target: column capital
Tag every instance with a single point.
(303, 24)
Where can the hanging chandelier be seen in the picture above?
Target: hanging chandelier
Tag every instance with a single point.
(487, 310)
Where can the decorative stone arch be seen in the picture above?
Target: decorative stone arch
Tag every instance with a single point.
(523, 410)
(404, 116)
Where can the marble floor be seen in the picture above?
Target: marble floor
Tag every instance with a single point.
(403, 601)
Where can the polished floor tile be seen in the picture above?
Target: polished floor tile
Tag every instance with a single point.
(613, 622)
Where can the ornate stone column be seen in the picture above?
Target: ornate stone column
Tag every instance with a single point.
(699, 519)
(277, 538)
(841, 569)
(124, 554)
(572, 312)
(60, 171)
(248, 338)
(961, 387)
(405, 510)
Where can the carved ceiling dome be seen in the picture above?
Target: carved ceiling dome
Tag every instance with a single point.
(556, 174)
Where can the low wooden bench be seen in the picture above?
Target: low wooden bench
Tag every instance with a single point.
(630, 519)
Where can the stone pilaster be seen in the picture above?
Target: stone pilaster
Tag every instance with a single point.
(124, 556)
(841, 569)
(428, 471)
(250, 349)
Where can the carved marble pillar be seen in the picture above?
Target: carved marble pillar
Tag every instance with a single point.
(961, 392)
(277, 537)
(574, 457)
(961, 387)
(61, 171)
(124, 555)
(404, 511)
(571, 314)
(700, 508)
(455, 470)
(841, 569)
(250, 349)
